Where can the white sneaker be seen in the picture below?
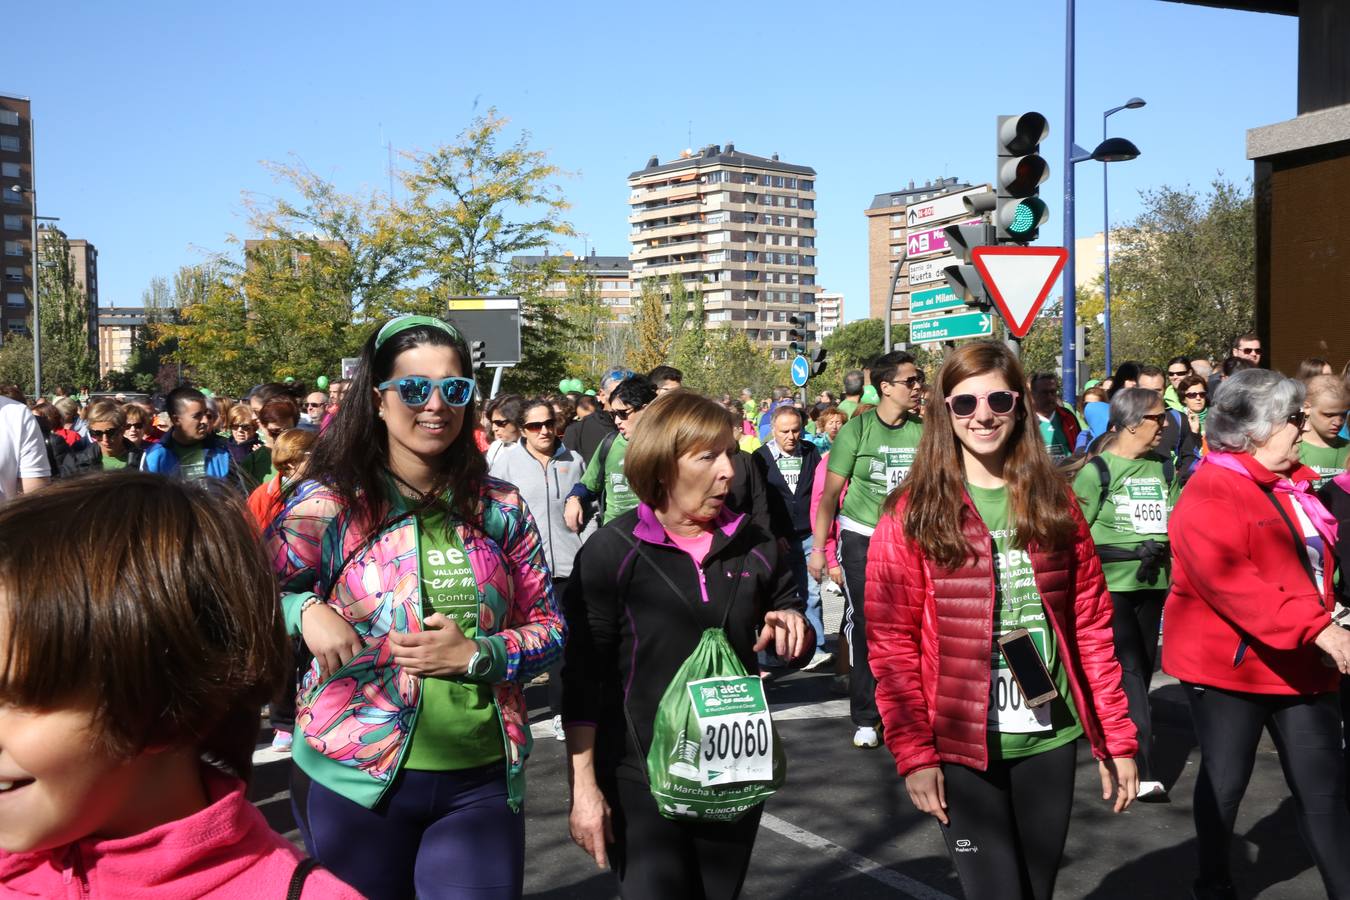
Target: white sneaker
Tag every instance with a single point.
(820, 658)
(558, 734)
(865, 737)
(1152, 792)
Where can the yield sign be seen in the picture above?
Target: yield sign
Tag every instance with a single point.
(1018, 280)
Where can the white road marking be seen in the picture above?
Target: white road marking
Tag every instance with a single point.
(908, 887)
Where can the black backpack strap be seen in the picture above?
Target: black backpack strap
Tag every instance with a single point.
(298, 877)
(1104, 476)
(603, 452)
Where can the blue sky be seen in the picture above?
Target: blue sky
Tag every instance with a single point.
(152, 117)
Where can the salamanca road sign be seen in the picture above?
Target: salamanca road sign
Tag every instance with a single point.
(950, 328)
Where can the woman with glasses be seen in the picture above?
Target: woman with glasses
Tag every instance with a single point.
(1193, 391)
(420, 586)
(1249, 628)
(107, 450)
(244, 438)
(982, 583)
(1126, 491)
(604, 482)
(502, 417)
(140, 431)
(544, 471)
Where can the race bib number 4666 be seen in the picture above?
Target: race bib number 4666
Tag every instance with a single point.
(735, 732)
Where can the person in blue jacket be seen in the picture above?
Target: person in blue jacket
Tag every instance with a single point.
(190, 451)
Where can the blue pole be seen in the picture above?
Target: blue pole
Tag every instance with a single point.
(1106, 256)
(1069, 348)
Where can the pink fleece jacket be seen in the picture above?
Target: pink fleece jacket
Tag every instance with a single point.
(226, 851)
(817, 489)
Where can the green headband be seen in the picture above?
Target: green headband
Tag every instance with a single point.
(403, 323)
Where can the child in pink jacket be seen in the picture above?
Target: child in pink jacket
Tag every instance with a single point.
(139, 635)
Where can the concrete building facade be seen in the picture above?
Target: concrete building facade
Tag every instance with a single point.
(739, 227)
(611, 278)
(16, 213)
(829, 313)
(118, 327)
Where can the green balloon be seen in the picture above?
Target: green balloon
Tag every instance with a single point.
(321, 382)
(869, 395)
(207, 392)
(289, 379)
(590, 393)
(562, 385)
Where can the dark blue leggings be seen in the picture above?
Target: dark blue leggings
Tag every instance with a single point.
(435, 834)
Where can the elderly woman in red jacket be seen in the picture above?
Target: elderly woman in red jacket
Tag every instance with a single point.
(982, 581)
(1248, 627)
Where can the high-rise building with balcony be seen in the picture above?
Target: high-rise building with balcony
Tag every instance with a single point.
(740, 228)
(829, 313)
(610, 277)
(16, 213)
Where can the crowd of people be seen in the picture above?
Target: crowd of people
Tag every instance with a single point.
(387, 562)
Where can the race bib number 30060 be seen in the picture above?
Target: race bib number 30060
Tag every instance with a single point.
(735, 731)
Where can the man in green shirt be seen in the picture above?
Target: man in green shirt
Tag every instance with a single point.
(603, 479)
(853, 388)
(870, 456)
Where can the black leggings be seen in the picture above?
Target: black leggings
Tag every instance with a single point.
(862, 699)
(655, 857)
(1009, 823)
(1135, 620)
(1307, 735)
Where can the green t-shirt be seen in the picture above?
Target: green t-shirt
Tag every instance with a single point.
(1014, 729)
(1137, 506)
(1327, 462)
(112, 463)
(1056, 441)
(258, 465)
(457, 725)
(847, 407)
(191, 462)
(619, 499)
(874, 457)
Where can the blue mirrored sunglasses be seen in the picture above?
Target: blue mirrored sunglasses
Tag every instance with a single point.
(415, 390)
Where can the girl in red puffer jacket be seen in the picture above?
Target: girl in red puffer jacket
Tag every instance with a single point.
(984, 540)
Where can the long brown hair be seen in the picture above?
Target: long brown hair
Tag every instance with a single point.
(1039, 500)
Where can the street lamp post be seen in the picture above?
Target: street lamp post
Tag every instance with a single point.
(1109, 150)
(1132, 103)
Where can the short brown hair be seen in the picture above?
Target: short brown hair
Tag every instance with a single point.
(673, 425)
(150, 597)
(278, 410)
(829, 412)
(106, 411)
(48, 413)
(138, 414)
(242, 414)
(292, 446)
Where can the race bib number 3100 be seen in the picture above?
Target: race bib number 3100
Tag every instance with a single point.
(735, 732)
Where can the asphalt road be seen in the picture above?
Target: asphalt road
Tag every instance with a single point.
(843, 826)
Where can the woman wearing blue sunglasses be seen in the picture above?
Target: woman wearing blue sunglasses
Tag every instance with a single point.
(420, 585)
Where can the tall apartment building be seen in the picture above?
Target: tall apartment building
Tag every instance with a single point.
(118, 327)
(829, 313)
(16, 210)
(741, 228)
(612, 277)
(84, 273)
(888, 229)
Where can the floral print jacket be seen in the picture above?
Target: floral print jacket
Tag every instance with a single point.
(353, 728)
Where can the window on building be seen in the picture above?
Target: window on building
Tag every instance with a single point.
(12, 196)
(806, 184)
(792, 183)
(14, 273)
(807, 204)
(9, 170)
(10, 143)
(8, 117)
(14, 223)
(14, 298)
(13, 248)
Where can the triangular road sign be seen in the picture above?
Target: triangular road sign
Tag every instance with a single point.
(1018, 280)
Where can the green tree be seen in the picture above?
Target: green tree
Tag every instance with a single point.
(16, 361)
(1183, 273)
(855, 344)
(651, 331)
(733, 363)
(67, 358)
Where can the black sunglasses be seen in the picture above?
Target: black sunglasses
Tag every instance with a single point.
(100, 435)
(1299, 419)
(1195, 395)
(550, 424)
(1176, 374)
(621, 415)
(1159, 419)
(911, 382)
(501, 423)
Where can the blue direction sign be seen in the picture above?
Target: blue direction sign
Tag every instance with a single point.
(800, 371)
(934, 300)
(950, 328)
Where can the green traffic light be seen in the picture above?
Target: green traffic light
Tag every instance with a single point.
(1023, 220)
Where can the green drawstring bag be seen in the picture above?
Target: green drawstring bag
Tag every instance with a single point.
(715, 753)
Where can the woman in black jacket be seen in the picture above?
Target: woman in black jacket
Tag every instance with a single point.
(643, 591)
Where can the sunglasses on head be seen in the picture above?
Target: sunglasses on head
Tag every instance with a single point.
(621, 415)
(550, 424)
(100, 435)
(1000, 403)
(415, 390)
(1195, 395)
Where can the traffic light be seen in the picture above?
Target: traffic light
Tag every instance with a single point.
(818, 362)
(963, 278)
(478, 352)
(1019, 211)
(798, 345)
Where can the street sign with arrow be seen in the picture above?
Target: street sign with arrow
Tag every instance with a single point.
(1018, 280)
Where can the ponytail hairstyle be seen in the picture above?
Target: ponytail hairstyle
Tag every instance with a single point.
(351, 456)
(1039, 501)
